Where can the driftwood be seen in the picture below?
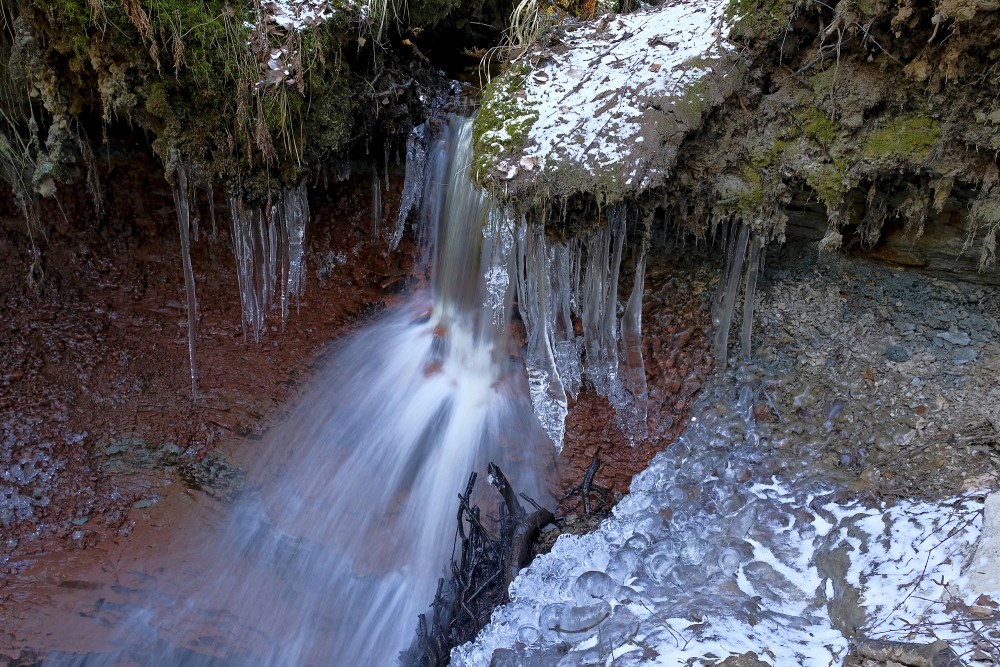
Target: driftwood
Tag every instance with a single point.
(587, 489)
(484, 564)
(936, 654)
(523, 528)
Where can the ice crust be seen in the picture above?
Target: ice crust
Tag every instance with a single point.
(712, 555)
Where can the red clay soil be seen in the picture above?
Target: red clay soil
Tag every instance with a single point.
(95, 392)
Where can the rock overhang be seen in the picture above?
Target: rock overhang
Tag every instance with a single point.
(601, 107)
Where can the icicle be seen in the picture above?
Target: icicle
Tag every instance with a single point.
(749, 293)
(269, 246)
(726, 296)
(566, 350)
(575, 296)
(600, 304)
(210, 195)
(594, 303)
(271, 252)
(182, 203)
(376, 205)
(632, 416)
(499, 236)
(413, 180)
(548, 396)
(296, 221)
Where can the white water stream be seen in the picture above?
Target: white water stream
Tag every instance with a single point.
(348, 525)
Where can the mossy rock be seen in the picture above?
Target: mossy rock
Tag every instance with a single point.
(502, 125)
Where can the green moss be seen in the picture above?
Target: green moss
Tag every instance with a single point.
(757, 19)
(183, 70)
(771, 156)
(907, 137)
(502, 124)
(750, 200)
(827, 179)
(817, 126)
(695, 100)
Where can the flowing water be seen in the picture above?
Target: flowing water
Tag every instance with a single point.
(348, 525)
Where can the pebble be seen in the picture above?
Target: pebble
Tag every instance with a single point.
(964, 355)
(897, 353)
(955, 337)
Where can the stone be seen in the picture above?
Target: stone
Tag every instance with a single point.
(964, 355)
(897, 353)
(983, 569)
(956, 337)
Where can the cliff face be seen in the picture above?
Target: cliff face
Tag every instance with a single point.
(859, 123)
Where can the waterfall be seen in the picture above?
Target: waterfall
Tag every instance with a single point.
(349, 523)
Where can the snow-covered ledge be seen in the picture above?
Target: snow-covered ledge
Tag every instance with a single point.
(601, 107)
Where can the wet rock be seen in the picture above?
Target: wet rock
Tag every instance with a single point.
(213, 475)
(956, 338)
(897, 353)
(964, 355)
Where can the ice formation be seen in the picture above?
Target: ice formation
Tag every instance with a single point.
(269, 245)
(742, 247)
(185, 226)
(554, 282)
(560, 281)
(413, 181)
(713, 555)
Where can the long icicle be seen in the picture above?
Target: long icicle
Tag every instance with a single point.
(634, 412)
(730, 283)
(749, 293)
(182, 202)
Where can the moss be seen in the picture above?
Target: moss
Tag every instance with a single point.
(502, 124)
(908, 137)
(757, 19)
(183, 71)
(695, 100)
(827, 179)
(771, 156)
(817, 126)
(751, 199)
